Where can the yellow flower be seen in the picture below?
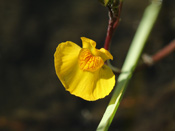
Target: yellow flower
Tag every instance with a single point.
(82, 70)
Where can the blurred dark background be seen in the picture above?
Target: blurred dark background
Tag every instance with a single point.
(33, 99)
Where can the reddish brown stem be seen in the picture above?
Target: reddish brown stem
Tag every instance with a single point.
(112, 25)
(109, 30)
(164, 52)
(150, 60)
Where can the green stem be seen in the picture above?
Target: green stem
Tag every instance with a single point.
(130, 63)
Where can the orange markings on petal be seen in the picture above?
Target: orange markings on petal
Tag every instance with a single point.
(89, 62)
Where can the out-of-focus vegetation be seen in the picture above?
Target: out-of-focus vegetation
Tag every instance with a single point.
(32, 97)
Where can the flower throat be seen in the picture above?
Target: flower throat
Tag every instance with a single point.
(89, 62)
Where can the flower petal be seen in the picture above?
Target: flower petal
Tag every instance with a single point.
(88, 43)
(91, 86)
(105, 82)
(103, 53)
(65, 57)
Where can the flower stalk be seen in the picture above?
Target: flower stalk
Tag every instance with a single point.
(114, 19)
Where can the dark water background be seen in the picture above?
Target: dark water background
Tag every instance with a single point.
(33, 99)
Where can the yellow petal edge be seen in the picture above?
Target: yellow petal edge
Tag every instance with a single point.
(89, 85)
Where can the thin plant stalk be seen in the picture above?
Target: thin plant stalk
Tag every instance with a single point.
(112, 25)
(130, 63)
